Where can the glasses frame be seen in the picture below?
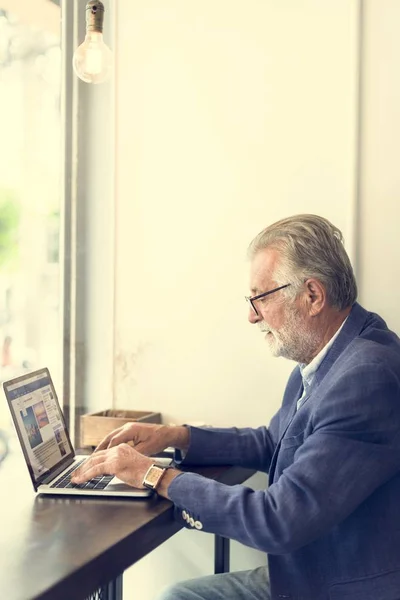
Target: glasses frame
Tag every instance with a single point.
(252, 299)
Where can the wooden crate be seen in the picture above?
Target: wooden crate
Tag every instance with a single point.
(95, 426)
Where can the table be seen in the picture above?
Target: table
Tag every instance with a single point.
(62, 548)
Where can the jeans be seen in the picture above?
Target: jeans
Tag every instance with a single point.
(241, 585)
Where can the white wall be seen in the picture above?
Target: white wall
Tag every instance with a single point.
(380, 214)
(230, 115)
(226, 121)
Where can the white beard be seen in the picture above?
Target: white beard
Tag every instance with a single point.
(293, 340)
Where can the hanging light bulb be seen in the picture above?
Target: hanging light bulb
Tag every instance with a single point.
(92, 60)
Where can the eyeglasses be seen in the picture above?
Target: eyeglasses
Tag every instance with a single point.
(252, 299)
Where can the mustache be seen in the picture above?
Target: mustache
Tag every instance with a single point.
(264, 328)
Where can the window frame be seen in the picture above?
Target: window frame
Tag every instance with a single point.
(87, 239)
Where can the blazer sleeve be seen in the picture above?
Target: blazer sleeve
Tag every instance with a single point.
(353, 448)
(246, 447)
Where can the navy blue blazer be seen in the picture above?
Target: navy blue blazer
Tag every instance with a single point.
(330, 518)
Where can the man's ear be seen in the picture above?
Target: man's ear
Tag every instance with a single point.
(315, 296)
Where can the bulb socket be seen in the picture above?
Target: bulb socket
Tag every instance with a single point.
(94, 16)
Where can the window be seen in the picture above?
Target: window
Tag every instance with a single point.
(56, 208)
(30, 189)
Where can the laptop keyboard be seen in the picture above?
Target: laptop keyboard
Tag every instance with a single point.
(98, 483)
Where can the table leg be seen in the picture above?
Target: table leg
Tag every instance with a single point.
(221, 554)
(114, 589)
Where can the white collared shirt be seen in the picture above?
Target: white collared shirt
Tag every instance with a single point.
(308, 371)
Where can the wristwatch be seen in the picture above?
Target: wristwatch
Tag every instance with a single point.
(153, 476)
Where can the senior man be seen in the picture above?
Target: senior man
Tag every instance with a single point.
(330, 519)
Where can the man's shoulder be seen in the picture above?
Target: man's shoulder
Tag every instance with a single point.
(365, 352)
(366, 336)
(375, 341)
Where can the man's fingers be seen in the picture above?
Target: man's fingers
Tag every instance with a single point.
(116, 437)
(116, 440)
(105, 443)
(88, 474)
(93, 467)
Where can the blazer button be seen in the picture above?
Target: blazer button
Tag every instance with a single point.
(184, 514)
(191, 522)
(198, 525)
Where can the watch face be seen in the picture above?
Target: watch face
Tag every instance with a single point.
(153, 476)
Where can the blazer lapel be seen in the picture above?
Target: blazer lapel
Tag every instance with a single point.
(353, 326)
(291, 411)
(286, 420)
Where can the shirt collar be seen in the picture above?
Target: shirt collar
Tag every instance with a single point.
(308, 371)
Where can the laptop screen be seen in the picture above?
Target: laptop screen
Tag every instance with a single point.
(39, 422)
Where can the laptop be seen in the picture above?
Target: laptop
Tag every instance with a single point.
(46, 444)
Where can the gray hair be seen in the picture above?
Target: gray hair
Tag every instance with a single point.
(310, 247)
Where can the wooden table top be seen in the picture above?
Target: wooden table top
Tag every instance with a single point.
(62, 548)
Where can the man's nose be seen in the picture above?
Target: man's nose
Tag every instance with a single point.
(253, 316)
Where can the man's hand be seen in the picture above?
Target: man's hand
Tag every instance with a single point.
(123, 461)
(147, 438)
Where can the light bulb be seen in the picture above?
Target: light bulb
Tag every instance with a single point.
(92, 60)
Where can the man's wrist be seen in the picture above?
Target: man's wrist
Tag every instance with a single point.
(179, 437)
(167, 479)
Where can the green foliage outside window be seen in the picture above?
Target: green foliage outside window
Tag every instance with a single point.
(9, 224)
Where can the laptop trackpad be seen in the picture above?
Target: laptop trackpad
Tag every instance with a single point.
(117, 485)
